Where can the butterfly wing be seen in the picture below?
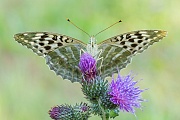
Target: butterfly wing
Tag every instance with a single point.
(118, 50)
(61, 52)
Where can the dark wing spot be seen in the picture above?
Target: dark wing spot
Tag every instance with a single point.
(115, 39)
(140, 37)
(61, 37)
(41, 44)
(134, 51)
(68, 40)
(41, 51)
(144, 43)
(47, 47)
(44, 36)
(137, 34)
(133, 45)
(125, 47)
(122, 43)
(36, 46)
(54, 37)
(50, 41)
(121, 37)
(139, 48)
(128, 36)
(59, 44)
(131, 40)
(41, 39)
(139, 41)
(146, 38)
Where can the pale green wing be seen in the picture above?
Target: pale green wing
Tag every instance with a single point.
(62, 53)
(118, 50)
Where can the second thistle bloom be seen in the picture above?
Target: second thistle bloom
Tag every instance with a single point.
(124, 94)
(87, 66)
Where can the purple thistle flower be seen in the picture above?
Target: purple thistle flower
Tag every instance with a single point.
(87, 66)
(61, 112)
(84, 108)
(55, 112)
(124, 93)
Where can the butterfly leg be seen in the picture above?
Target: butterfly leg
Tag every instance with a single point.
(100, 58)
(81, 50)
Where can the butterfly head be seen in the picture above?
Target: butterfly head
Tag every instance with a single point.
(92, 41)
(92, 46)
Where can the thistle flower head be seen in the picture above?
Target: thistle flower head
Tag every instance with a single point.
(81, 111)
(124, 94)
(94, 89)
(61, 112)
(66, 112)
(87, 66)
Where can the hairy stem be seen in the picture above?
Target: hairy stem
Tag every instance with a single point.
(103, 116)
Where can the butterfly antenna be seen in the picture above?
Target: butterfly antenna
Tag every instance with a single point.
(108, 27)
(78, 27)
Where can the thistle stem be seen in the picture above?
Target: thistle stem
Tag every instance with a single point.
(103, 116)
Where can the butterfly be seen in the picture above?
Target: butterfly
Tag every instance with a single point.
(62, 53)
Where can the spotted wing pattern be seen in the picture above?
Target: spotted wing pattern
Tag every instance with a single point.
(61, 52)
(118, 50)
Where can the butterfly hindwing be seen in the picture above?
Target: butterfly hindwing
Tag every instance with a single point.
(118, 50)
(114, 58)
(64, 61)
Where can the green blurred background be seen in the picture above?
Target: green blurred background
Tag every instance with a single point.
(28, 89)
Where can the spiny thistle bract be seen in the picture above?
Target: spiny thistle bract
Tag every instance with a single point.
(66, 112)
(106, 99)
(81, 111)
(62, 112)
(94, 88)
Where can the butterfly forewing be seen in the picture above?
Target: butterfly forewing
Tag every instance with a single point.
(44, 42)
(61, 52)
(118, 50)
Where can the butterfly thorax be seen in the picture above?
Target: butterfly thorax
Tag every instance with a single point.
(92, 47)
